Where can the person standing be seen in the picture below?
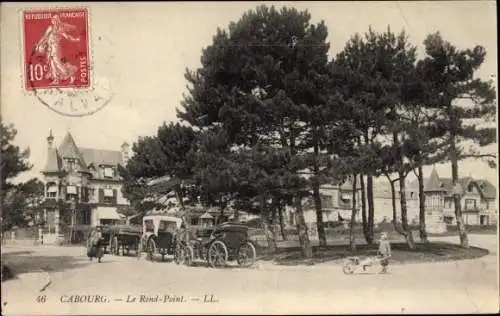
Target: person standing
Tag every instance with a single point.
(384, 252)
(94, 245)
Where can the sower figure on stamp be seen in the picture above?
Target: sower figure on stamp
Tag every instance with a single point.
(50, 43)
(384, 252)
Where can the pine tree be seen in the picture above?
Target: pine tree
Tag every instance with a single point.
(13, 162)
(380, 88)
(466, 105)
(257, 81)
(165, 154)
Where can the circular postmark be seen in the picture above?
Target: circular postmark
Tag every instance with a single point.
(76, 102)
(59, 69)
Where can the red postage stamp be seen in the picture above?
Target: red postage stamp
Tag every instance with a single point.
(56, 48)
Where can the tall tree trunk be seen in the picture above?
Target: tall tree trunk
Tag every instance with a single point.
(371, 212)
(397, 228)
(281, 220)
(274, 218)
(319, 214)
(404, 211)
(305, 244)
(462, 231)
(352, 237)
(316, 195)
(264, 214)
(421, 206)
(369, 195)
(363, 208)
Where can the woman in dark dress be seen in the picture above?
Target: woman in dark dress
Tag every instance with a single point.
(94, 248)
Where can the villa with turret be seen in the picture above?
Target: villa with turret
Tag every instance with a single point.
(82, 187)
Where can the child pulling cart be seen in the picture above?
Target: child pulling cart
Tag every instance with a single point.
(355, 264)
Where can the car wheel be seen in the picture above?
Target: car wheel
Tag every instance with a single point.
(246, 254)
(217, 254)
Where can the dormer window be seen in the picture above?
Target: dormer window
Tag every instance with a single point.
(470, 188)
(71, 164)
(51, 190)
(108, 172)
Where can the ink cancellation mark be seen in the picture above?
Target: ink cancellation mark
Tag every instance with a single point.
(57, 65)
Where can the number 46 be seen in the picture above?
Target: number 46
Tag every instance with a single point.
(36, 72)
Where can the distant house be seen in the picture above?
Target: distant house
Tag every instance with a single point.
(336, 203)
(478, 199)
(82, 187)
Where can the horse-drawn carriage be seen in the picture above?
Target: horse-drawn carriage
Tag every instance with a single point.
(124, 238)
(158, 234)
(216, 245)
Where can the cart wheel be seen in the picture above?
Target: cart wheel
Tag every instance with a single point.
(217, 254)
(246, 254)
(114, 248)
(348, 267)
(151, 249)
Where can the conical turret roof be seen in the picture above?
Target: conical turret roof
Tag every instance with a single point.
(434, 183)
(68, 149)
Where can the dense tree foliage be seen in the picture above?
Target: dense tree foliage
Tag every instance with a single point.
(466, 104)
(271, 119)
(13, 161)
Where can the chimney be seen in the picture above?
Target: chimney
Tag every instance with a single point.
(50, 139)
(125, 152)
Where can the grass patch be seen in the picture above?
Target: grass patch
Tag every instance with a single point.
(432, 252)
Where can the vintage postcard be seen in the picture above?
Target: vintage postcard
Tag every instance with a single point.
(249, 158)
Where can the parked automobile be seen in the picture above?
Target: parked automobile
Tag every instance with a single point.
(226, 242)
(158, 234)
(124, 238)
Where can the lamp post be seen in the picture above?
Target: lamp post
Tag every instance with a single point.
(73, 218)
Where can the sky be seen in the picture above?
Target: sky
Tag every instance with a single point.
(142, 51)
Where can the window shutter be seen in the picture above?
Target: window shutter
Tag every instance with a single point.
(115, 197)
(101, 196)
(85, 194)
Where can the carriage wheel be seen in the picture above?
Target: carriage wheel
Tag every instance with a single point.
(113, 248)
(217, 254)
(348, 267)
(151, 249)
(246, 254)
